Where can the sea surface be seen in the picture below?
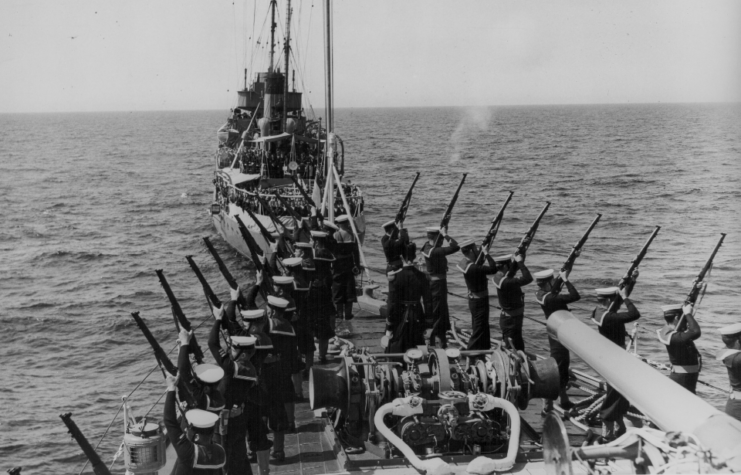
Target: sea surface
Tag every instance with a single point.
(93, 203)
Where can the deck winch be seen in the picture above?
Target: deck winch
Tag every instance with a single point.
(459, 396)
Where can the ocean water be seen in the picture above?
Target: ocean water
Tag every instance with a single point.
(92, 204)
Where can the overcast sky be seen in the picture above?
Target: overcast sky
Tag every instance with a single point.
(86, 55)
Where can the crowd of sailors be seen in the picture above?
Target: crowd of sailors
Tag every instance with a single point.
(277, 160)
(417, 302)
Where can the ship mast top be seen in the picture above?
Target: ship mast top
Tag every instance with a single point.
(273, 4)
(287, 49)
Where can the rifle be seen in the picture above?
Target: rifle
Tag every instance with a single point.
(222, 267)
(402, 213)
(695, 292)
(449, 211)
(569, 264)
(493, 230)
(626, 280)
(269, 210)
(99, 468)
(308, 198)
(210, 295)
(265, 234)
(527, 239)
(181, 321)
(185, 390)
(267, 283)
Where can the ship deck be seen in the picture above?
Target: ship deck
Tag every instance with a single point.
(313, 449)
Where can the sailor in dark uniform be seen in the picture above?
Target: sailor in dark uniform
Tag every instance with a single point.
(284, 288)
(241, 394)
(511, 298)
(346, 264)
(393, 243)
(435, 254)
(204, 378)
(679, 335)
(405, 321)
(475, 274)
(319, 300)
(730, 356)
(611, 325)
(197, 454)
(550, 303)
(300, 320)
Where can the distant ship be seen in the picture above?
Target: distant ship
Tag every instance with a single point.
(269, 147)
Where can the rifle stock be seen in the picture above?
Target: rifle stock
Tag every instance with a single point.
(180, 317)
(626, 280)
(527, 239)
(402, 213)
(99, 468)
(222, 267)
(449, 210)
(569, 263)
(210, 295)
(695, 292)
(493, 229)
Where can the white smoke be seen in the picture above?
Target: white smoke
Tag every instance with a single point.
(474, 119)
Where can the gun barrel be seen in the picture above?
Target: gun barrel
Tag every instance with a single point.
(159, 353)
(98, 466)
(204, 283)
(402, 213)
(222, 267)
(695, 291)
(527, 239)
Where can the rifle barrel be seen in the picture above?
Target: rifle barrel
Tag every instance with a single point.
(210, 294)
(99, 468)
(222, 267)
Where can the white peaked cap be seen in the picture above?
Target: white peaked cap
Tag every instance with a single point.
(284, 279)
(504, 258)
(253, 314)
(278, 302)
(319, 234)
(607, 291)
(466, 243)
(389, 223)
(730, 329)
(292, 262)
(208, 373)
(544, 274)
(432, 229)
(306, 244)
(201, 419)
(671, 308)
(342, 218)
(243, 341)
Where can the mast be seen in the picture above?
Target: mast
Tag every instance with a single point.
(329, 146)
(272, 34)
(286, 49)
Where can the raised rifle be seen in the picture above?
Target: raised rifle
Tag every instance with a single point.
(493, 230)
(308, 198)
(265, 234)
(181, 321)
(210, 295)
(222, 267)
(267, 283)
(527, 239)
(271, 214)
(569, 264)
(402, 213)
(185, 389)
(695, 292)
(449, 211)
(99, 468)
(627, 278)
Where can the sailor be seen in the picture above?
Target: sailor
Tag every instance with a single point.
(435, 254)
(241, 394)
(284, 341)
(679, 335)
(611, 325)
(393, 242)
(319, 299)
(511, 298)
(300, 321)
(730, 356)
(284, 288)
(272, 390)
(405, 321)
(475, 274)
(344, 268)
(551, 302)
(197, 454)
(205, 376)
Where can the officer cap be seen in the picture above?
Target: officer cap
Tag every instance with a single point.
(343, 218)
(291, 262)
(544, 274)
(731, 329)
(389, 224)
(607, 291)
(253, 314)
(284, 279)
(504, 258)
(243, 342)
(330, 225)
(466, 243)
(305, 245)
(208, 373)
(671, 309)
(318, 234)
(201, 421)
(433, 230)
(277, 302)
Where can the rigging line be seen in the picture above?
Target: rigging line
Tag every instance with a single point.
(236, 43)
